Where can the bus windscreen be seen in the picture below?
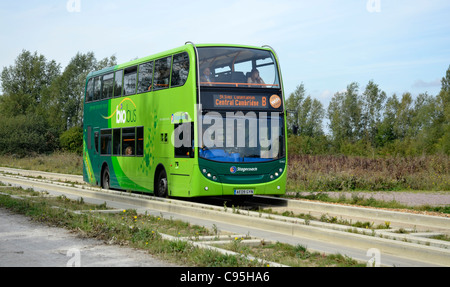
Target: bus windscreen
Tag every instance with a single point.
(237, 67)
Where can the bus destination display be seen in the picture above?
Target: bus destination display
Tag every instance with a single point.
(246, 101)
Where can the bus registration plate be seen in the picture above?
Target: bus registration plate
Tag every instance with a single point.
(244, 192)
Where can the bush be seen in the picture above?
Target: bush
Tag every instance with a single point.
(72, 140)
(24, 135)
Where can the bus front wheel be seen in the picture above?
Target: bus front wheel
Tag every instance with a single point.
(161, 188)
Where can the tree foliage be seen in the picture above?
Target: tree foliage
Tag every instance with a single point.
(371, 123)
(305, 114)
(39, 102)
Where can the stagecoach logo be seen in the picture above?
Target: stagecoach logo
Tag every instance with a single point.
(124, 115)
(234, 169)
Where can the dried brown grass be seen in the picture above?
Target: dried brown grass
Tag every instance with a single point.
(337, 173)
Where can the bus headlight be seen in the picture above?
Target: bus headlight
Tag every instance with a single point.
(210, 174)
(276, 173)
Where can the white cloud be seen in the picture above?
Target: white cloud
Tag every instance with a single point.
(427, 84)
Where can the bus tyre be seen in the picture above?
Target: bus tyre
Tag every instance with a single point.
(162, 184)
(106, 178)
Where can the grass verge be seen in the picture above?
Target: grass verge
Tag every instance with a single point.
(58, 162)
(370, 202)
(144, 231)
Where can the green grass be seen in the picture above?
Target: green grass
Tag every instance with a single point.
(143, 231)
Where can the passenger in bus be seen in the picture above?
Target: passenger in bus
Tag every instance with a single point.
(206, 76)
(255, 79)
(129, 150)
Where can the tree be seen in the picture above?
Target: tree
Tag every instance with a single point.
(344, 114)
(310, 117)
(39, 103)
(64, 103)
(336, 122)
(293, 105)
(386, 133)
(352, 113)
(442, 121)
(403, 117)
(25, 83)
(305, 114)
(372, 105)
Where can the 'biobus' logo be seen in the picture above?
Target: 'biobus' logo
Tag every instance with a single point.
(123, 116)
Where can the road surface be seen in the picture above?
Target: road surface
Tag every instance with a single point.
(24, 243)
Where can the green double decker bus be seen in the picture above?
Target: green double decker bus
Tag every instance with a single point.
(198, 120)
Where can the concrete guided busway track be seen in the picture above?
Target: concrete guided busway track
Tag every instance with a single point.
(329, 238)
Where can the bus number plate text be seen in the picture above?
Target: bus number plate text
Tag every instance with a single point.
(244, 192)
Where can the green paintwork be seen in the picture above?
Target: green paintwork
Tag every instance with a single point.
(153, 111)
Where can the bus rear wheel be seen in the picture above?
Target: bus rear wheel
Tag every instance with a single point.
(161, 187)
(106, 178)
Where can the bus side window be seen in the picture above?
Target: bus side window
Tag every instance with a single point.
(145, 77)
(97, 89)
(129, 81)
(105, 138)
(162, 73)
(108, 85)
(116, 142)
(118, 83)
(128, 141)
(90, 90)
(180, 69)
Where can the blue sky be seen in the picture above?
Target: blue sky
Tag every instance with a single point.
(402, 45)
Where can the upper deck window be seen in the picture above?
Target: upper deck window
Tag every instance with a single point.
(90, 90)
(162, 73)
(145, 77)
(180, 69)
(237, 67)
(129, 81)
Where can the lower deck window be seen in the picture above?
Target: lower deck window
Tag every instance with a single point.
(105, 145)
(121, 141)
(128, 141)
